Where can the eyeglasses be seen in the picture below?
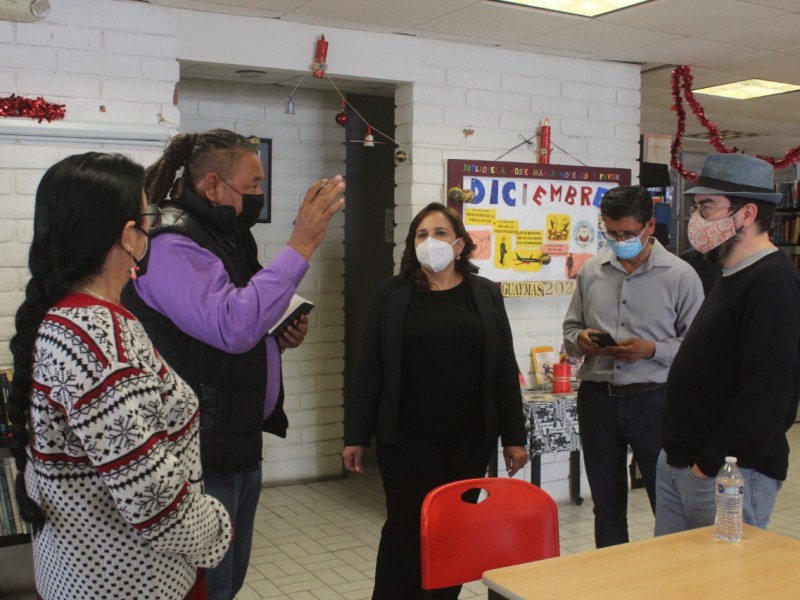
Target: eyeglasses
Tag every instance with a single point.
(153, 214)
(705, 210)
(623, 237)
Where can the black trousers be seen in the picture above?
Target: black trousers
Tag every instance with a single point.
(608, 425)
(410, 469)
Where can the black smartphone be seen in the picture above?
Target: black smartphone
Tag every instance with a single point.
(602, 339)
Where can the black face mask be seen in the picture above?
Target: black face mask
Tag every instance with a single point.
(251, 209)
(141, 263)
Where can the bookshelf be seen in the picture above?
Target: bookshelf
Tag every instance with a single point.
(8, 500)
(13, 530)
(786, 229)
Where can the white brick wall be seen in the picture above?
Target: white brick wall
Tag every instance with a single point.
(66, 59)
(122, 56)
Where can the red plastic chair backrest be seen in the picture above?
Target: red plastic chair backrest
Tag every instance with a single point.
(516, 523)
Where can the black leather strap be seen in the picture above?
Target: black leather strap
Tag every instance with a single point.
(632, 389)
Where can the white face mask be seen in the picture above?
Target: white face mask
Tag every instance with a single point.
(435, 255)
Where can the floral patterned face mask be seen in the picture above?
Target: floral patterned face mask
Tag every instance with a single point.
(705, 235)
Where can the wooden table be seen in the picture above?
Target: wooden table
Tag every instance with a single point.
(687, 565)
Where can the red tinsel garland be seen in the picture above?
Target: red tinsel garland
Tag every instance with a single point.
(41, 109)
(682, 78)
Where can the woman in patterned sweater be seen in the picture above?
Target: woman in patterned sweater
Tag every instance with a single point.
(109, 462)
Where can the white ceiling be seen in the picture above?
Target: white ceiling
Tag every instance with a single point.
(722, 40)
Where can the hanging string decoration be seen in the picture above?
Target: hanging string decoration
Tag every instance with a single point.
(342, 118)
(682, 80)
(544, 146)
(369, 139)
(39, 108)
(320, 56)
(289, 107)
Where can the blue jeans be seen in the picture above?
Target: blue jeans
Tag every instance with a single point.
(686, 501)
(608, 425)
(239, 492)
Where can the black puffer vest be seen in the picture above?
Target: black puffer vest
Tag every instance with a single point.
(231, 387)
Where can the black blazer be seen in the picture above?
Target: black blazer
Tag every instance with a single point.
(372, 405)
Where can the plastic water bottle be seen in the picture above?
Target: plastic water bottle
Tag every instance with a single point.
(730, 502)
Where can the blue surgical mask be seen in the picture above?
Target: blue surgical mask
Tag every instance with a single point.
(627, 249)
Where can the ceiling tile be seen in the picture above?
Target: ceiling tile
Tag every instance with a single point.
(789, 5)
(690, 17)
(398, 15)
(763, 65)
(601, 39)
(771, 34)
(505, 23)
(681, 51)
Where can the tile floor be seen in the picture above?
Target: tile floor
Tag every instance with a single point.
(317, 541)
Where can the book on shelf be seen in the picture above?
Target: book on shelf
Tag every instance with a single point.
(6, 524)
(298, 306)
(11, 522)
(789, 194)
(22, 526)
(786, 229)
(5, 398)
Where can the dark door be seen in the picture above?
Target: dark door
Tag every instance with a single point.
(369, 218)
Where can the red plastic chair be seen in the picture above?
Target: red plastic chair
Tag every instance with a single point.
(516, 523)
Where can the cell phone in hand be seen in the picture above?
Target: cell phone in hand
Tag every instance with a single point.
(602, 339)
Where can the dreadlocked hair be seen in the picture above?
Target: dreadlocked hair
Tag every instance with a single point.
(197, 154)
(82, 205)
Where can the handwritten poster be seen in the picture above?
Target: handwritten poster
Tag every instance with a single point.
(534, 225)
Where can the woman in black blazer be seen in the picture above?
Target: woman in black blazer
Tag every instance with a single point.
(436, 384)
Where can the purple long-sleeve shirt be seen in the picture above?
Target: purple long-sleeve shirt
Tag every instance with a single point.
(189, 285)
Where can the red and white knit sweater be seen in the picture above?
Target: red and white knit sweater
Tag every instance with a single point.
(114, 462)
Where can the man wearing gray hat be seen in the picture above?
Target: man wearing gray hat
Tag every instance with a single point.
(734, 384)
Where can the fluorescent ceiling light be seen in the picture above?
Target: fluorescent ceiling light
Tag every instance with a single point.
(584, 8)
(749, 88)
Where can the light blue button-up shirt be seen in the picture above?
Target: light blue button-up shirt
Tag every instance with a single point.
(657, 302)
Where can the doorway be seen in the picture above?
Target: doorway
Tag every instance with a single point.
(369, 221)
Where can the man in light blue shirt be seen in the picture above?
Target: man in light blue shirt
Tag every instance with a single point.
(645, 298)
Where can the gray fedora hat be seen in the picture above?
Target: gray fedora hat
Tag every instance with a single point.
(740, 175)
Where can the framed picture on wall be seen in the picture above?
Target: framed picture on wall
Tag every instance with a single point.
(265, 153)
